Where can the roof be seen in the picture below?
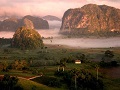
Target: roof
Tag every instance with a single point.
(77, 61)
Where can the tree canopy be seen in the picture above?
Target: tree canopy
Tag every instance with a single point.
(25, 38)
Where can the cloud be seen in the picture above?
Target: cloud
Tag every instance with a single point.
(112, 0)
(45, 7)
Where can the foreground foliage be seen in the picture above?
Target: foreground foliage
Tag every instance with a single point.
(9, 83)
(80, 80)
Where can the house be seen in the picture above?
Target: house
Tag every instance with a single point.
(77, 61)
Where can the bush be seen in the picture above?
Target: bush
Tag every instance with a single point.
(9, 83)
(84, 80)
(49, 81)
(108, 64)
(114, 63)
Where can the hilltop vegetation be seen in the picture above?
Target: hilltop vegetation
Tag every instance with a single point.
(25, 38)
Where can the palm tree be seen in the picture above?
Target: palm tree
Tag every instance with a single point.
(63, 64)
(42, 49)
(97, 71)
(46, 49)
(76, 73)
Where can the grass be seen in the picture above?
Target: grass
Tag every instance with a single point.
(18, 73)
(31, 85)
(54, 54)
(112, 84)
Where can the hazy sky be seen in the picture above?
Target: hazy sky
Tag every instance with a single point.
(47, 7)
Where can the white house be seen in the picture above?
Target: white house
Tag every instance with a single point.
(77, 61)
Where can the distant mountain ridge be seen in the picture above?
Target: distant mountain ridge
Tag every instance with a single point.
(51, 18)
(12, 24)
(91, 18)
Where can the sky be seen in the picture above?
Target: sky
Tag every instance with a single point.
(47, 7)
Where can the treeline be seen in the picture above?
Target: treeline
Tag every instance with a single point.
(4, 41)
(86, 33)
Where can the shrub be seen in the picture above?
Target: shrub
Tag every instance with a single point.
(84, 80)
(114, 63)
(9, 83)
(49, 81)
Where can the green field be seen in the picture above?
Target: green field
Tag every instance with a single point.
(30, 85)
(46, 61)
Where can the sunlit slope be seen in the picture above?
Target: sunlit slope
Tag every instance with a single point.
(30, 85)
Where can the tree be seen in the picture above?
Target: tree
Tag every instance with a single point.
(5, 66)
(25, 38)
(81, 57)
(9, 83)
(80, 80)
(62, 63)
(19, 64)
(46, 49)
(97, 70)
(75, 73)
(108, 55)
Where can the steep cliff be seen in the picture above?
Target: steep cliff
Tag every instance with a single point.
(26, 22)
(91, 18)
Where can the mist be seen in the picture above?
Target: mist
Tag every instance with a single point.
(6, 34)
(50, 33)
(61, 40)
(54, 24)
(44, 33)
(86, 42)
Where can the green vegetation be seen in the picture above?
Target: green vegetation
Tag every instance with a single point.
(5, 41)
(9, 83)
(80, 79)
(31, 85)
(46, 61)
(25, 38)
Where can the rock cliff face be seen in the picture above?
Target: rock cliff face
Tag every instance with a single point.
(27, 23)
(12, 24)
(91, 18)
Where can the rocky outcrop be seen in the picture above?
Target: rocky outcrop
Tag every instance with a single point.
(91, 18)
(12, 24)
(27, 23)
(25, 38)
(39, 23)
(9, 25)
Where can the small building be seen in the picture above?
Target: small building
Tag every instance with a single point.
(77, 61)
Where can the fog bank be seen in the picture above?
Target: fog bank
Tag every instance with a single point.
(72, 42)
(43, 33)
(54, 24)
(86, 42)
(5, 34)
